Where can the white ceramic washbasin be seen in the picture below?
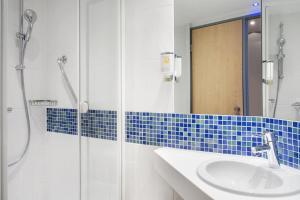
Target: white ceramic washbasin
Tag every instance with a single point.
(206, 176)
(243, 177)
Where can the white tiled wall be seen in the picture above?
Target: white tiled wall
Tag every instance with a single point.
(49, 159)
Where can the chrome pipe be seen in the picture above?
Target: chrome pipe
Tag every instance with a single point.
(61, 61)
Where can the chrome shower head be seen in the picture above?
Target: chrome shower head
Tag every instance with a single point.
(281, 41)
(30, 16)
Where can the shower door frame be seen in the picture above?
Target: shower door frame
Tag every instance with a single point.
(265, 43)
(84, 97)
(3, 162)
(1, 83)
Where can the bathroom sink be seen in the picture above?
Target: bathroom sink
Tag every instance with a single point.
(204, 175)
(243, 177)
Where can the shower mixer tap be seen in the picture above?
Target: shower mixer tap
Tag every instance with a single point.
(270, 147)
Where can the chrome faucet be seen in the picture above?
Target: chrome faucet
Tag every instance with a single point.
(270, 148)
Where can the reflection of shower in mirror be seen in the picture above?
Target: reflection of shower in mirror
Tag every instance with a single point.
(280, 58)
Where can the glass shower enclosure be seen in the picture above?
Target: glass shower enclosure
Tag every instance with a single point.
(280, 41)
(61, 79)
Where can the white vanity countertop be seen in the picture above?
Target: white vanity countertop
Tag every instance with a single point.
(185, 163)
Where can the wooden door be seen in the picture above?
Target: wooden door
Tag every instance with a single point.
(217, 69)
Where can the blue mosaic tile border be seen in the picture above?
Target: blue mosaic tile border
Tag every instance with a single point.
(62, 120)
(212, 133)
(100, 124)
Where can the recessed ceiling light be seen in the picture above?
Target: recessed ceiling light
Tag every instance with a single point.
(252, 22)
(256, 4)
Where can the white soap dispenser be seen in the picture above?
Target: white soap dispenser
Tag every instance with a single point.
(268, 72)
(178, 67)
(167, 65)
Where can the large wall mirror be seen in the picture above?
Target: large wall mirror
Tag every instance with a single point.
(238, 57)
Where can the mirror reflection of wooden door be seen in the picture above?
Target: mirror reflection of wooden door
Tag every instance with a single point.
(217, 69)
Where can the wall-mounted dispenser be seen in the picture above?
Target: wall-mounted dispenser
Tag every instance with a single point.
(178, 67)
(171, 66)
(167, 65)
(268, 72)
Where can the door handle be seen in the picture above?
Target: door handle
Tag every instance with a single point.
(84, 107)
(237, 110)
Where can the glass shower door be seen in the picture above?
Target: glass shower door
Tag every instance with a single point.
(37, 35)
(100, 90)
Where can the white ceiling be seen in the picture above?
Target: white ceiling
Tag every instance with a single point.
(199, 12)
(284, 8)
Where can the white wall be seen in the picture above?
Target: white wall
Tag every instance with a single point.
(289, 91)
(100, 52)
(142, 182)
(61, 31)
(149, 32)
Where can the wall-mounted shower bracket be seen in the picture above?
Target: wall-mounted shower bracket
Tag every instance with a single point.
(63, 59)
(20, 36)
(296, 105)
(20, 67)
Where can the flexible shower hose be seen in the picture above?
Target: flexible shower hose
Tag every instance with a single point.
(27, 121)
(276, 100)
(280, 62)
